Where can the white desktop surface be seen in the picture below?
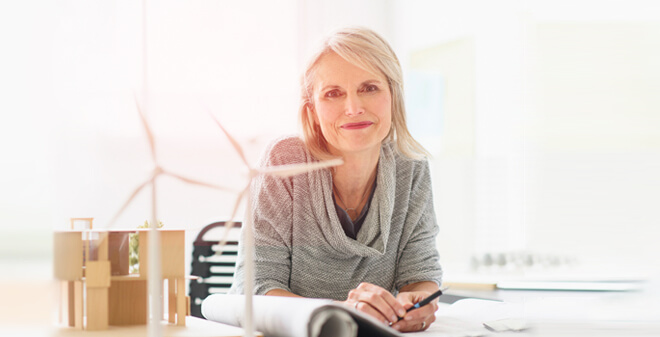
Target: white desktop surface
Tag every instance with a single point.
(29, 307)
(195, 327)
(558, 313)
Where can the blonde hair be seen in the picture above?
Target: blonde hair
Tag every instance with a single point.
(365, 49)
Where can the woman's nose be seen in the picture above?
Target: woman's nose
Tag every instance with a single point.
(354, 105)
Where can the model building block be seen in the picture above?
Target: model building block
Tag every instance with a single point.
(118, 251)
(97, 308)
(101, 245)
(84, 223)
(171, 299)
(68, 257)
(128, 301)
(97, 282)
(181, 302)
(67, 305)
(98, 274)
(76, 301)
(172, 250)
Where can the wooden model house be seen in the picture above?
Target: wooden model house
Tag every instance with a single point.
(97, 290)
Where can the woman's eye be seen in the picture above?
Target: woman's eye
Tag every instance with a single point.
(333, 93)
(371, 88)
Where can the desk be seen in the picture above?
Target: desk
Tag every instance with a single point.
(195, 327)
(29, 304)
(573, 313)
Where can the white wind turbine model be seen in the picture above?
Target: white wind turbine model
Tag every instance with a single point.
(155, 283)
(282, 171)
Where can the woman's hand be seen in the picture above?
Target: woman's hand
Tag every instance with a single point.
(377, 302)
(418, 319)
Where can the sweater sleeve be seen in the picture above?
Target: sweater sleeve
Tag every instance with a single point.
(419, 260)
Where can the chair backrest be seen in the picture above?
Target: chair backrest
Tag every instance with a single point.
(213, 265)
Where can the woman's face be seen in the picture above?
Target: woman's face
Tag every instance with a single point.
(352, 106)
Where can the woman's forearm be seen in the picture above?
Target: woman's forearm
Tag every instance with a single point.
(429, 286)
(281, 292)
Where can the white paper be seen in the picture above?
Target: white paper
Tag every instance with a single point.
(466, 318)
(303, 317)
(273, 316)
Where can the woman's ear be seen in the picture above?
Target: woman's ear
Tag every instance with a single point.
(311, 114)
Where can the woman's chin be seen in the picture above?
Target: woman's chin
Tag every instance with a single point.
(360, 149)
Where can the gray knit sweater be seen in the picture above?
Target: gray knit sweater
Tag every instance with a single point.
(300, 245)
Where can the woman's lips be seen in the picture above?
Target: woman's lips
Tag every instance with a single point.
(354, 126)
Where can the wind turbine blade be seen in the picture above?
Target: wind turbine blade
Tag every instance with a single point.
(197, 182)
(147, 129)
(135, 192)
(233, 141)
(229, 224)
(291, 170)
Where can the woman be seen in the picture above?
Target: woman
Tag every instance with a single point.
(364, 232)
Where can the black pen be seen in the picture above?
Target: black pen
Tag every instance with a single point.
(426, 300)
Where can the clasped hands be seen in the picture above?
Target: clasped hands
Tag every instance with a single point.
(382, 305)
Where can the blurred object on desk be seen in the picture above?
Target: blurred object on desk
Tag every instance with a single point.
(572, 285)
(520, 261)
(523, 270)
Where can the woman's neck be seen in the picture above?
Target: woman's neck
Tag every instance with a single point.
(354, 180)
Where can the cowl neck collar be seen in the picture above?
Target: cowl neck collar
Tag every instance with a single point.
(373, 236)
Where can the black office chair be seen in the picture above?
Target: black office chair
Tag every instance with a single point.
(215, 271)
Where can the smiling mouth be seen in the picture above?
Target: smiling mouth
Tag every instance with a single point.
(354, 126)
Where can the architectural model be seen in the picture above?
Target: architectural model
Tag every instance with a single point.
(97, 290)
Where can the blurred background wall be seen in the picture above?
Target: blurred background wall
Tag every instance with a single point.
(543, 117)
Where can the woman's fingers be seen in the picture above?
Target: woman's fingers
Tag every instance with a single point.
(379, 302)
(413, 326)
(417, 319)
(371, 311)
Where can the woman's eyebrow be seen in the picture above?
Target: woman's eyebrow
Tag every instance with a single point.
(334, 86)
(371, 81)
(330, 86)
